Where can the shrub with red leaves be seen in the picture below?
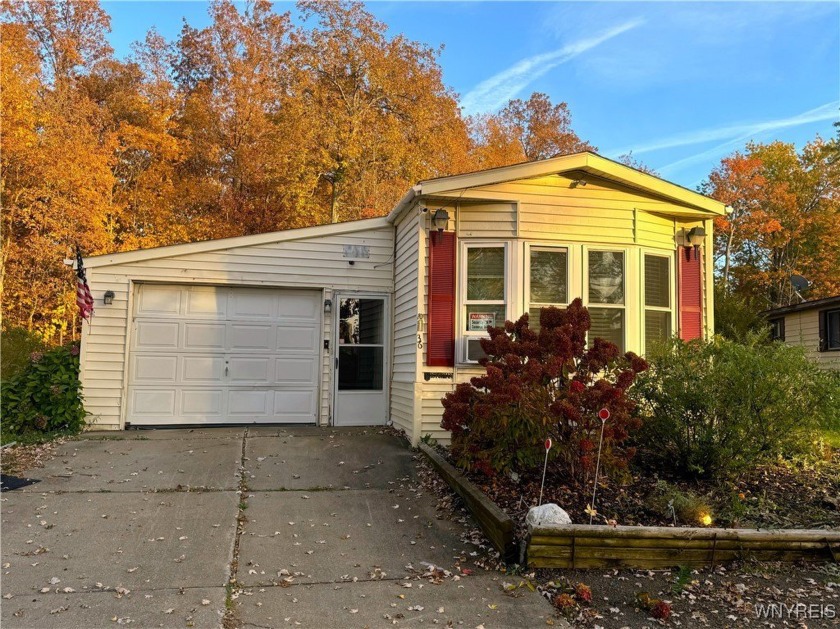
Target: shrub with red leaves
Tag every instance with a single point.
(545, 384)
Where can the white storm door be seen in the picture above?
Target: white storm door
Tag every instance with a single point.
(361, 360)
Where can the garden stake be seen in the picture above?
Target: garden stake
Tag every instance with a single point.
(604, 415)
(545, 467)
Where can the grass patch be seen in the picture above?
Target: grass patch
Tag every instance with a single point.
(35, 438)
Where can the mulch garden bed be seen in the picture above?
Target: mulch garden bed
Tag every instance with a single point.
(781, 495)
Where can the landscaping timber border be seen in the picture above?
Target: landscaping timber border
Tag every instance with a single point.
(496, 524)
(586, 546)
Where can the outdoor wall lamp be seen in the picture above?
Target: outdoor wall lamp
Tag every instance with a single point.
(440, 219)
(108, 298)
(328, 306)
(695, 237)
(578, 183)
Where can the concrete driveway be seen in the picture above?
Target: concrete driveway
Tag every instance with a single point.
(318, 528)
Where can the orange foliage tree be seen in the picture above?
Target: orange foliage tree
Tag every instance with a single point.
(785, 210)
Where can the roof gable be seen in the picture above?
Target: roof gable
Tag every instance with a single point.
(585, 162)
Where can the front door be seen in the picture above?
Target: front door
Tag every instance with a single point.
(360, 360)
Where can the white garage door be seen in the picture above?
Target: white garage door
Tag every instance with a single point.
(204, 355)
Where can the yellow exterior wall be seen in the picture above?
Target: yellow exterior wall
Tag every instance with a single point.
(551, 211)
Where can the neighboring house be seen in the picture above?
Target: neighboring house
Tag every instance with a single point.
(372, 321)
(814, 325)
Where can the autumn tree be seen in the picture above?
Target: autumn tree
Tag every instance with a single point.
(525, 131)
(57, 178)
(382, 116)
(785, 207)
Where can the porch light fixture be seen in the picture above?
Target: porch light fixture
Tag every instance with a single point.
(440, 219)
(108, 298)
(328, 306)
(694, 237)
(578, 183)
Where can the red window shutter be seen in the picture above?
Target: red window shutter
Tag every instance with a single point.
(691, 295)
(440, 338)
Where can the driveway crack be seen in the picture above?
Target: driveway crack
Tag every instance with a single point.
(231, 618)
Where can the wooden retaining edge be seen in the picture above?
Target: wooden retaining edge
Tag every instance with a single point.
(584, 546)
(496, 524)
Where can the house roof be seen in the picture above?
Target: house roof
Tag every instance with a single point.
(826, 302)
(585, 161)
(152, 253)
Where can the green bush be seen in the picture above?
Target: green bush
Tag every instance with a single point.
(16, 345)
(712, 409)
(45, 396)
(736, 317)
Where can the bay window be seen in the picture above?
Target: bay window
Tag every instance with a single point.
(606, 295)
(658, 308)
(548, 280)
(484, 295)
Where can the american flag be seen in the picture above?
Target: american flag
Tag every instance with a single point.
(84, 300)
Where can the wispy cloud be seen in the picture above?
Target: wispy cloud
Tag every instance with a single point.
(732, 133)
(496, 91)
(749, 132)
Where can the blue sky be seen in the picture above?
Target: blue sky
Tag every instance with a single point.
(680, 84)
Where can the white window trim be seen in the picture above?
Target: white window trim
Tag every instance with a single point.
(629, 286)
(463, 335)
(672, 292)
(526, 271)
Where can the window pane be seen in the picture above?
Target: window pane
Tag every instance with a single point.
(657, 328)
(833, 329)
(362, 321)
(486, 273)
(606, 277)
(548, 277)
(657, 284)
(359, 368)
(608, 324)
(479, 318)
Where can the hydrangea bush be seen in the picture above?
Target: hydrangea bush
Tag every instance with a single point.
(540, 384)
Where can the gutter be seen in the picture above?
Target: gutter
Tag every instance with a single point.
(405, 202)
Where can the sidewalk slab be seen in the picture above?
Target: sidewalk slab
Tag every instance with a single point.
(135, 465)
(328, 461)
(473, 601)
(99, 610)
(337, 534)
(115, 540)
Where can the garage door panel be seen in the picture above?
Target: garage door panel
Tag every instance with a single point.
(297, 337)
(150, 368)
(251, 370)
(295, 370)
(214, 355)
(255, 304)
(293, 406)
(251, 403)
(153, 402)
(203, 369)
(159, 301)
(299, 305)
(250, 337)
(204, 402)
(156, 335)
(205, 336)
(206, 302)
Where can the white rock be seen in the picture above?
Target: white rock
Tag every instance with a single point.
(547, 515)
